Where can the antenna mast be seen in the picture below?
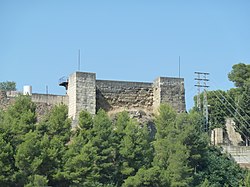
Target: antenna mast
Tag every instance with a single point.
(79, 60)
(179, 66)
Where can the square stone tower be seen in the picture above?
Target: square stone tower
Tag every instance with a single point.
(169, 90)
(81, 93)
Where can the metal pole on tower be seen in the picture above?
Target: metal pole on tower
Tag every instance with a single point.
(79, 60)
(179, 66)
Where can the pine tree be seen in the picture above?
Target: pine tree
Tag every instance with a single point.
(135, 149)
(95, 161)
(15, 123)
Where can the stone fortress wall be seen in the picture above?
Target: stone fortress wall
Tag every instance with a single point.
(84, 92)
(87, 93)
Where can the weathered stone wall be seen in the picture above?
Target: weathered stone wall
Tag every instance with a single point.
(44, 103)
(112, 95)
(49, 99)
(71, 92)
(169, 90)
(241, 154)
(87, 93)
(81, 93)
(5, 101)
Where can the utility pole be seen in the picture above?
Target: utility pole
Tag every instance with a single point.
(202, 83)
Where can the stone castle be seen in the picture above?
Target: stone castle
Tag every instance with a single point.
(84, 92)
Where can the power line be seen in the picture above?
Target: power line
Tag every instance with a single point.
(233, 114)
(237, 128)
(235, 109)
(238, 106)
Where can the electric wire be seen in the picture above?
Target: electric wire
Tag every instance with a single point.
(234, 102)
(237, 128)
(235, 109)
(233, 114)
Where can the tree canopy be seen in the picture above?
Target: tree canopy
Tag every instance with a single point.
(8, 86)
(112, 152)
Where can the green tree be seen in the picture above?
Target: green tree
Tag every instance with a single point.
(19, 119)
(135, 148)
(42, 150)
(192, 137)
(219, 108)
(220, 170)
(8, 86)
(95, 161)
(54, 132)
(78, 157)
(205, 183)
(145, 178)
(247, 180)
(240, 74)
(6, 163)
(37, 181)
(56, 124)
(242, 114)
(170, 165)
(171, 155)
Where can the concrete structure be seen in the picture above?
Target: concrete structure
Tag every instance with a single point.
(231, 142)
(27, 90)
(241, 154)
(87, 93)
(217, 136)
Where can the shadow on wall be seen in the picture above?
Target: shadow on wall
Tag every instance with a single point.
(101, 102)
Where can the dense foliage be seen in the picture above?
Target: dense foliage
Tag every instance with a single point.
(105, 152)
(234, 103)
(8, 86)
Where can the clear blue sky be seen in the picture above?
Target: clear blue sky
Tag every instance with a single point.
(136, 40)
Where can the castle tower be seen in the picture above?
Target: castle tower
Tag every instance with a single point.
(169, 90)
(81, 93)
(86, 93)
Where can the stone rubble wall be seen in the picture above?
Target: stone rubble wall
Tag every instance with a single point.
(172, 92)
(44, 103)
(49, 99)
(241, 154)
(5, 101)
(111, 95)
(86, 93)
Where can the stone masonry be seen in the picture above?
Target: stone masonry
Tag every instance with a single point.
(87, 93)
(84, 92)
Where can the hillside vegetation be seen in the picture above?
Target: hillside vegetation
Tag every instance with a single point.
(110, 152)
